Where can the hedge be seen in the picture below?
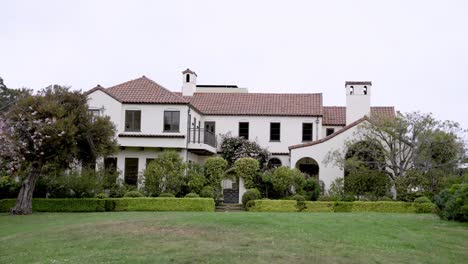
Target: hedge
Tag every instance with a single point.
(381, 206)
(273, 206)
(117, 204)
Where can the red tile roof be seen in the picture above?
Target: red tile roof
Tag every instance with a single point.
(264, 104)
(336, 115)
(143, 90)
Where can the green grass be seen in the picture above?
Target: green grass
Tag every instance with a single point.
(197, 237)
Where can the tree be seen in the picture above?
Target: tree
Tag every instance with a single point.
(282, 180)
(336, 190)
(9, 96)
(234, 148)
(50, 128)
(248, 170)
(165, 174)
(195, 178)
(412, 141)
(367, 183)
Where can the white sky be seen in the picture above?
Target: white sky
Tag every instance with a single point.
(414, 52)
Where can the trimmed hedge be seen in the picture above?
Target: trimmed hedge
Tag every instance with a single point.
(60, 205)
(358, 206)
(273, 206)
(115, 204)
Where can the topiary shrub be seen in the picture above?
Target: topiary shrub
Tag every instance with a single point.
(207, 192)
(251, 194)
(192, 195)
(101, 196)
(133, 194)
(250, 204)
(166, 195)
(422, 199)
(300, 201)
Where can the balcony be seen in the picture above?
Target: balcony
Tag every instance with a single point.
(202, 141)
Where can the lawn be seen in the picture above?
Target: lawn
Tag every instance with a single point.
(179, 237)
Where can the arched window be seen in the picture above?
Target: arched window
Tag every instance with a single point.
(365, 90)
(187, 78)
(351, 90)
(273, 163)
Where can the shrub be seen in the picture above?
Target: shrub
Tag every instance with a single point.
(281, 180)
(300, 201)
(382, 207)
(249, 195)
(115, 204)
(366, 182)
(452, 204)
(386, 199)
(195, 178)
(214, 171)
(207, 192)
(337, 189)
(274, 206)
(248, 170)
(60, 205)
(166, 173)
(249, 205)
(234, 148)
(312, 189)
(192, 195)
(164, 204)
(133, 194)
(422, 199)
(101, 196)
(166, 195)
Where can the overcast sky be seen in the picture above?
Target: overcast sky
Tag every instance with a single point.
(414, 52)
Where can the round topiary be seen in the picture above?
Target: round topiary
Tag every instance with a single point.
(166, 195)
(422, 199)
(133, 194)
(207, 192)
(101, 196)
(192, 195)
(249, 205)
(251, 194)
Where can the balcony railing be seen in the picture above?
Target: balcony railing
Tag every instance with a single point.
(200, 135)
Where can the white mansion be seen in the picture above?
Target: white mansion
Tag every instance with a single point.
(296, 128)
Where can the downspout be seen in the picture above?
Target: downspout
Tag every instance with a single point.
(316, 128)
(188, 134)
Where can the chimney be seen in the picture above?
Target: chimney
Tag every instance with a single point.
(358, 102)
(189, 82)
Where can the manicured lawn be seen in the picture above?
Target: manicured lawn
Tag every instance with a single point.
(178, 237)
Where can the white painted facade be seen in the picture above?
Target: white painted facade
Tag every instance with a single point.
(151, 139)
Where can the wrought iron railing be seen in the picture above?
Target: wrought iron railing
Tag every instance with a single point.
(200, 135)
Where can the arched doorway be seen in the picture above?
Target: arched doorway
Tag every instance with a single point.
(308, 166)
(274, 163)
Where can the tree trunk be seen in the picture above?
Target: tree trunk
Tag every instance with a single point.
(24, 201)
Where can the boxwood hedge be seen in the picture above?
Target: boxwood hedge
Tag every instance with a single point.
(117, 204)
(358, 206)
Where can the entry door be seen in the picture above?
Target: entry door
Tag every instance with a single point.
(210, 133)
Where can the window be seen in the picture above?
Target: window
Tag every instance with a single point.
(351, 90)
(132, 120)
(307, 131)
(274, 163)
(171, 121)
(94, 113)
(244, 130)
(365, 90)
(187, 78)
(275, 131)
(131, 171)
(330, 131)
(110, 164)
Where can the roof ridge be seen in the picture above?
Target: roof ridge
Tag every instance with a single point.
(263, 93)
(174, 93)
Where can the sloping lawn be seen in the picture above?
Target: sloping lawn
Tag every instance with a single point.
(178, 237)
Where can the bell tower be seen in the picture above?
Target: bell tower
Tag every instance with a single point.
(189, 82)
(358, 101)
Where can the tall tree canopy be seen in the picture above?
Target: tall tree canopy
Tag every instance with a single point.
(51, 127)
(9, 96)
